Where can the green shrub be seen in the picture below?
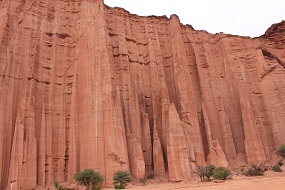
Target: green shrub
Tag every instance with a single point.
(121, 179)
(209, 171)
(254, 170)
(276, 168)
(221, 173)
(58, 186)
(205, 171)
(90, 179)
(281, 151)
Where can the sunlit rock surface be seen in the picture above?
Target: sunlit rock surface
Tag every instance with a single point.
(83, 85)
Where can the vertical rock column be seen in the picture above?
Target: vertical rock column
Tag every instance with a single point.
(103, 144)
(179, 167)
(253, 145)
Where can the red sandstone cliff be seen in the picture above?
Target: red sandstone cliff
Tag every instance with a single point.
(83, 86)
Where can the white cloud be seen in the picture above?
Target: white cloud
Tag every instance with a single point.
(240, 17)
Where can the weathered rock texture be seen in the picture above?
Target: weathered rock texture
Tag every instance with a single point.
(83, 85)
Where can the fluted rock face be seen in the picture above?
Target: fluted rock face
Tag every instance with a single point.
(83, 86)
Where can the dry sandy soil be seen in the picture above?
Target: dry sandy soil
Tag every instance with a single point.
(270, 181)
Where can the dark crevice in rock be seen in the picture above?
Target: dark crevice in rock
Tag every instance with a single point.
(62, 35)
(271, 56)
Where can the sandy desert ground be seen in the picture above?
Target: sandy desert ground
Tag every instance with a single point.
(270, 181)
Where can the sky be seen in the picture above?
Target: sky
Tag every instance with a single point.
(239, 17)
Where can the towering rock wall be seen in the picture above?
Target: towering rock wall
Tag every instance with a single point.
(83, 85)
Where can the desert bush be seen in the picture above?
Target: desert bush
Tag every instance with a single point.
(58, 186)
(121, 179)
(209, 171)
(276, 168)
(281, 151)
(90, 179)
(205, 171)
(201, 171)
(221, 173)
(254, 170)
